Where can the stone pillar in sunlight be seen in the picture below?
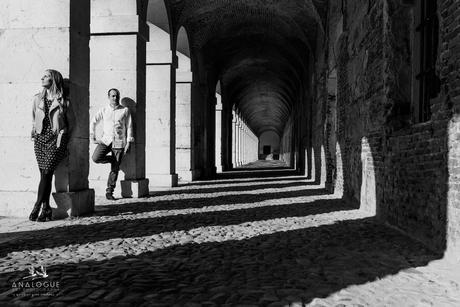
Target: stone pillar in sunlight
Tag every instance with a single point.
(246, 144)
(218, 134)
(238, 140)
(234, 133)
(241, 141)
(243, 151)
(118, 38)
(368, 197)
(161, 66)
(184, 79)
(34, 37)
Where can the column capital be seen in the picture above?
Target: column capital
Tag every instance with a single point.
(119, 25)
(184, 77)
(157, 57)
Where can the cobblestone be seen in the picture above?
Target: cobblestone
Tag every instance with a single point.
(247, 242)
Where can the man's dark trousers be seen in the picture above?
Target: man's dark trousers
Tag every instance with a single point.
(101, 155)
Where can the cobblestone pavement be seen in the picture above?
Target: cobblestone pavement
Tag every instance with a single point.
(271, 241)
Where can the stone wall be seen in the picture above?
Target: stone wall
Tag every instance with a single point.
(406, 172)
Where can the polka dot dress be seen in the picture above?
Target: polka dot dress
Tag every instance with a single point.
(47, 154)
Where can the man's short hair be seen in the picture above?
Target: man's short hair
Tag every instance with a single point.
(113, 89)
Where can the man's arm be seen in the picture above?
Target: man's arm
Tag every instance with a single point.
(129, 127)
(96, 119)
(129, 131)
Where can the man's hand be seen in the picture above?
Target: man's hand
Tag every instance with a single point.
(93, 139)
(127, 147)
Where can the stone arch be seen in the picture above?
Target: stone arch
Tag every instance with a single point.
(183, 42)
(158, 14)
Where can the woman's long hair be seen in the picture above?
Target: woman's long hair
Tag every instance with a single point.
(57, 88)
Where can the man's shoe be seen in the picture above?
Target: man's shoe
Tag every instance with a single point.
(109, 196)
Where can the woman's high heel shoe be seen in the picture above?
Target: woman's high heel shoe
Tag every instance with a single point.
(34, 214)
(45, 214)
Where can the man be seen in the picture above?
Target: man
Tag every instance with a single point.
(116, 139)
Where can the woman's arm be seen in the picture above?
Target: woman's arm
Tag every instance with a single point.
(32, 133)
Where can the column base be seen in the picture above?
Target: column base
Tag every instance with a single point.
(219, 169)
(226, 167)
(134, 188)
(209, 172)
(73, 203)
(185, 176)
(163, 180)
(196, 174)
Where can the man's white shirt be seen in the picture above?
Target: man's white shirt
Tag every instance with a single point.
(117, 125)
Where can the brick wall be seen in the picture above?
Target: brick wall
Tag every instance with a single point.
(408, 173)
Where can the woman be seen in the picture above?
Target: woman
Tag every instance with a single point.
(49, 132)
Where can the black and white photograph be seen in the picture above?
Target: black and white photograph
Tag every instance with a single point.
(220, 153)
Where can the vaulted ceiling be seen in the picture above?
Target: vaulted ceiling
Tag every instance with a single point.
(258, 48)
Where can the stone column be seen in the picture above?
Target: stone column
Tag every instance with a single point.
(161, 66)
(118, 38)
(210, 138)
(244, 143)
(243, 136)
(234, 138)
(198, 135)
(184, 80)
(34, 38)
(238, 140)
(228, 135)
(255, 148)
(219, 138)
(245, 160)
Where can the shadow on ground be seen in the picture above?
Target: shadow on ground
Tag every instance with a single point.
(292, 266)
(249, 180)
(218, 189)
(265, 266)
(140, 227)
(256, 173)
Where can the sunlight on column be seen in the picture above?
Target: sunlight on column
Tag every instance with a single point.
(368, 192)
(323, 174)
(338, 189)
(453, 196)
